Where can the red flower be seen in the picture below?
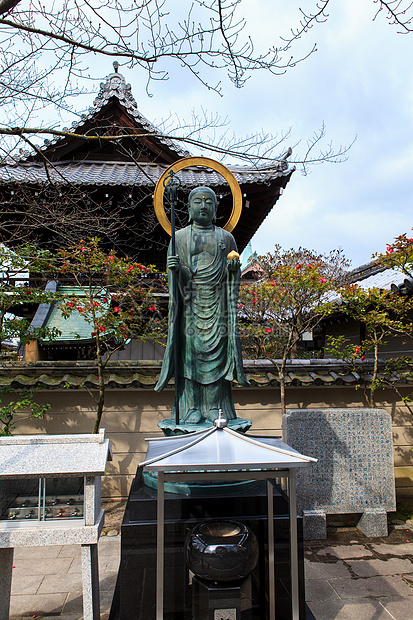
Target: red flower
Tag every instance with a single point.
(152, 308)
(105, 300)
(96, 305)
(111, 257)
(323, 280)
(93, 334)
(102, 329)
(363, 357)
(298, 266)
(130, 267)
(356, 350)
(79, 309)
(116, 309)
(389, 249)
(268, 330)
(70, 304)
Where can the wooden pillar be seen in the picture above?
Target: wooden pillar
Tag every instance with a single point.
(31, 353)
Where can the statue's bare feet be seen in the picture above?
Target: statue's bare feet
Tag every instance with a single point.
(193, 417)
(213, 414)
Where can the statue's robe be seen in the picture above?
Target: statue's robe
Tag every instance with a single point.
(204, 321)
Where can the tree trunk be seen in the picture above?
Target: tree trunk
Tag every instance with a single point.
(374, 377)
(281, 377)
(101, 381)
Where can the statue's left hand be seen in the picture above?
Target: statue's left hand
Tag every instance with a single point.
(234, 264)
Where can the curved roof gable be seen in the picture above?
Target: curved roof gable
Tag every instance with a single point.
(114, 110)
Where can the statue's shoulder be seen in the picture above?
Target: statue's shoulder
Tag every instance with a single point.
(183, 233)
(183, 240)
(227, 237)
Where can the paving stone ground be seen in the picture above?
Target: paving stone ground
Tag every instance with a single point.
(352, 577)
(47, 581)
(348, 577)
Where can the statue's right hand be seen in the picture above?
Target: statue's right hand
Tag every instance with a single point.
(172, 262)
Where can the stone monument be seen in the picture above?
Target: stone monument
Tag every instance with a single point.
(355, 471)
(203, 350)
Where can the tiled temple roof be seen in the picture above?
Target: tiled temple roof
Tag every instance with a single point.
(144, 374)
(127, 174)
(78, 169)
(114, 86)
(374, 275)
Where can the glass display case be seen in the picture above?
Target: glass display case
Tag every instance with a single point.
(41, 499)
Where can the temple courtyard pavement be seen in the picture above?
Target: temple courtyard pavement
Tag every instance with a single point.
(348, 576)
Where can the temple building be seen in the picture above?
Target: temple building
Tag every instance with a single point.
(103, 185)
(115, 171)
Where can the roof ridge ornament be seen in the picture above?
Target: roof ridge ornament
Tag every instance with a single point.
(220, 422)
(115, 86)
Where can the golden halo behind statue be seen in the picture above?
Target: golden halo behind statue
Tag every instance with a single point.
(207, 163)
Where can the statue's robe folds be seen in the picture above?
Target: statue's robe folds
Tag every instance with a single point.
(204, 321)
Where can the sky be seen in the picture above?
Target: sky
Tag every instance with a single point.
(359, 83)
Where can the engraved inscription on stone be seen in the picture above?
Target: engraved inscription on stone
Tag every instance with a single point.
(354, 449)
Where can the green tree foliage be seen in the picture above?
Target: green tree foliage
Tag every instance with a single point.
(16, 294)
(293, 294)
(398, 255)
(384, 314)
(118, 298)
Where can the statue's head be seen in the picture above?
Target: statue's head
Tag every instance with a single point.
(202, 206)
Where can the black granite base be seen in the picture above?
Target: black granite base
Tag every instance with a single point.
(135, 595)
(225, 601)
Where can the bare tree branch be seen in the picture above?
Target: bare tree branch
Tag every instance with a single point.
(7, 5)
(398, 12)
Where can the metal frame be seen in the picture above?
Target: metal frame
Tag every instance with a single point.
(270, 475)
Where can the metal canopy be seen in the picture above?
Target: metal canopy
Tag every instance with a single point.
(220, 453)
(220, 449)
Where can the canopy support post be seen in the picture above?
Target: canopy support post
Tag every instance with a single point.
(160, 542)
(271, 542)
(292, 494)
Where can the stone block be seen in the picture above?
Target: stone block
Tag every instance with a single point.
(373, 523)
(355, 469)
(315, 524)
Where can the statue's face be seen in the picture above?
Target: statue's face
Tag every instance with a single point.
(202, 207)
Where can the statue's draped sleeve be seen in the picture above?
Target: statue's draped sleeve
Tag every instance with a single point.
(167, 370)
